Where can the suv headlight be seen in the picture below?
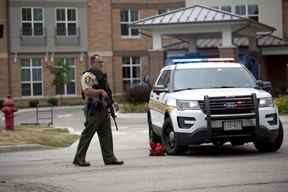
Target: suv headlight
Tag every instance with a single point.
(187, 105)
(266, 102)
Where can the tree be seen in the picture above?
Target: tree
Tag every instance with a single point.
(62, 73)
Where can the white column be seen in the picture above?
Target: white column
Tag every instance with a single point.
(157, 41)
(227, 41)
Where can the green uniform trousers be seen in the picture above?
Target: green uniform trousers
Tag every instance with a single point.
(96, 121)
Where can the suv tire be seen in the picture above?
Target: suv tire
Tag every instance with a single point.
(169, 139)
(264, 146)
(153, 138)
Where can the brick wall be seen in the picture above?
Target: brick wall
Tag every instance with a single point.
(4, 82)
(285, 17)
(99, 24)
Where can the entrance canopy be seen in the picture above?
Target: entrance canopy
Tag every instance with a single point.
(200, 22)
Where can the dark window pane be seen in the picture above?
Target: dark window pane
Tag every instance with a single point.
(124, 15)
(27, 29)
(38, 29)
(124, 29)
(134, 15)
(1, 31)
(226, 8)
(161, 11)
(25, 75)
(126, 60)
(71, 88)
(37, 89)
(135, 32)
(37, 74)
(38, 15)
(60, 14)
(71, 73)
(126, 72)
(36, 62)
(240, 10)
(135, 82)
(135, 60)
(61, 29)
(256, 18)
(25, 89)
(126, 85)
(253, 10)
(71, 15)
(136, 72)
(25, 62)
(72, 29)
(60, 89)
(26, 14)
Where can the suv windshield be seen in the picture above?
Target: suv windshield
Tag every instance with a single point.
(205, 78)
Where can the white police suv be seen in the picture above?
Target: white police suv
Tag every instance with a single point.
(212, 101)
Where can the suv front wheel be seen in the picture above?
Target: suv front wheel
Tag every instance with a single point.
(169, 139)
(265, 146)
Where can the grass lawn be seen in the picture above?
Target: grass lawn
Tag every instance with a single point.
(52, 137)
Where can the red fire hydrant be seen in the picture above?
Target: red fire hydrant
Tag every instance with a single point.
(9, 110)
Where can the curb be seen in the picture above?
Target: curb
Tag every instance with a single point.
(24, 147)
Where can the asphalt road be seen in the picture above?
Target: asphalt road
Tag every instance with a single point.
(203, 168)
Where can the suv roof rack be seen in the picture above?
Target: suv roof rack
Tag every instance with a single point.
(182, 61)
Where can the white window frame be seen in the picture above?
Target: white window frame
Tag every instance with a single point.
(32, 21)
(66, 22)
(73, 80)
(131, 65)
(247, 11)
(129, 22)
(31, 82)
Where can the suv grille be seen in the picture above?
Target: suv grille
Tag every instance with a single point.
(229, 105)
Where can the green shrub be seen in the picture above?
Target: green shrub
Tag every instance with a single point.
(282, 103)
(134, 107)
(53, 101)
(33, 103)
(138, 94)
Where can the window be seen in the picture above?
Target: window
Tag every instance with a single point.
(66, 22)
(32, 21)
(253, 12)
(240, 10)
(1, 31)
(164, 79)
(163, 10)
(250, 11)
(131, 71)
(128, 16)
(226, 8)
(31, 77)
(67, 88)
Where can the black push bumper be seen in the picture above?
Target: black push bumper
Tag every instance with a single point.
(203, 136)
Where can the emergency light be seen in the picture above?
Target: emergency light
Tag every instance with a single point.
(182, 61)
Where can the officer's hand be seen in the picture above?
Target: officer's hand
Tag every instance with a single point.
(103, 93)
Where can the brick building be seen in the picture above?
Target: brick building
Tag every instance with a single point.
(42, 33)
(126, 50)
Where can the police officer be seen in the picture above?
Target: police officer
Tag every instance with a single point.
(98, 97)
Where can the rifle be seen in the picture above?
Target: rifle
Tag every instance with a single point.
(113, 115)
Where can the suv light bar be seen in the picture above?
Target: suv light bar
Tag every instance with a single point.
(178, 61)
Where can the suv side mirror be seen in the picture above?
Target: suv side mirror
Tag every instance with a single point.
(265, 85)
(160, 89)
